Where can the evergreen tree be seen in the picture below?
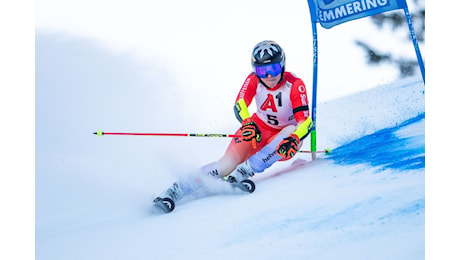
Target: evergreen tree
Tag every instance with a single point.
(397, 21)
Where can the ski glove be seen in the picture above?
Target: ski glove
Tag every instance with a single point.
(250, 132)
(288, 147)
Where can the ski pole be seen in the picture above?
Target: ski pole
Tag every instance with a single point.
(325, 151)
(101, 133)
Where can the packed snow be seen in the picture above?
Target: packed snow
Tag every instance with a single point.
(366, 200)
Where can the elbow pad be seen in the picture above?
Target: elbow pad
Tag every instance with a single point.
(241, 110)
(304, 129)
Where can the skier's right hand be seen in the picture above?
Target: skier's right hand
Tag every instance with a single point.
(250, 131)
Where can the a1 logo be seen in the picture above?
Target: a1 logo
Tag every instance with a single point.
(270, 103)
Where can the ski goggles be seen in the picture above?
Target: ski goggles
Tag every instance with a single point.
(272, 69)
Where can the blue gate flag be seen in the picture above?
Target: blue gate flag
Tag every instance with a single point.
(330, 13)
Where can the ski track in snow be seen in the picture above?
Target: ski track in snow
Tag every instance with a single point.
(364, 201)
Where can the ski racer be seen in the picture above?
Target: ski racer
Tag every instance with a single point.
(273, 133)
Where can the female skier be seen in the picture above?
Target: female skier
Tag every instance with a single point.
(273, 133)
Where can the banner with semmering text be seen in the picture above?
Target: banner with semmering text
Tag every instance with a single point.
(330, 13)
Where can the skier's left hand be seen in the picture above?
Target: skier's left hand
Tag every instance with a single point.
(289, 146)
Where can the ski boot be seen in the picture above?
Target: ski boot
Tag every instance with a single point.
(239, 177)
(166, 201)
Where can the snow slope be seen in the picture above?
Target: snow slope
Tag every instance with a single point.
(93, 194)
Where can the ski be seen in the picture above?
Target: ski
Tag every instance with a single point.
(244, 185)
(167, 205)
